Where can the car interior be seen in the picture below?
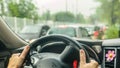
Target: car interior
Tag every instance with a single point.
(57, 51)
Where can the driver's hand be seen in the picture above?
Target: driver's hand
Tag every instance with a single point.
(16, 60)
(83, 64)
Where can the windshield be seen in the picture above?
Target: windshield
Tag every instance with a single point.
(102, 15)
(65, 31)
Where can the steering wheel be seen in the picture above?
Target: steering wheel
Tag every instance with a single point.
(54, 60)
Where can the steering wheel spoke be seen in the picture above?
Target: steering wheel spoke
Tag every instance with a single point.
(69, 54)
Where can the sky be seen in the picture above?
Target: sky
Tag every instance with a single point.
(86, 7)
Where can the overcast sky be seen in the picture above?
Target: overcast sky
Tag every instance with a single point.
(86, 7)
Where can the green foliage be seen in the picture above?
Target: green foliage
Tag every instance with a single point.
(93, 18)
(64, 17)
(2, 8)
(112, 32)
(22, 8)
(13, 9)
(109, 11)
(80, 18)
(46, 16)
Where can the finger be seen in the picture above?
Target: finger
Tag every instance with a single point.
(32, 40)
(82, 57)
(24, 52)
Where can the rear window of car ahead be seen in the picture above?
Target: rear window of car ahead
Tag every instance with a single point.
(69, 31)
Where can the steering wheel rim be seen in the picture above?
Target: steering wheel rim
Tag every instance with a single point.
(63, 38)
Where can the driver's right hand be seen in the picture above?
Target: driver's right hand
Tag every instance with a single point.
(83, 64)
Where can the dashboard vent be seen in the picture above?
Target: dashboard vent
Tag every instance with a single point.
(118, 58)
(109, 58)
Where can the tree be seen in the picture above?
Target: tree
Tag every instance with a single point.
(22, 8)
(93, 18)
(109, 11)
(64, 17)
(46, 16)
(112, 32)
(80, 18)
(2, 6)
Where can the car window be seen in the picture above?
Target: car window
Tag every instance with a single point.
(65, 31)
(90, 29)
(84, 32)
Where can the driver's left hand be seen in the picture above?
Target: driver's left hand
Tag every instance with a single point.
(16, 60)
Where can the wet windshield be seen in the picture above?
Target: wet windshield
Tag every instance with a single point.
(101, 18)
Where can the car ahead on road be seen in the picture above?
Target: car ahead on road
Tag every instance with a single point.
(74, 31)
(31, 32)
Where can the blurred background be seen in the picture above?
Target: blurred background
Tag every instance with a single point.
(101, 18)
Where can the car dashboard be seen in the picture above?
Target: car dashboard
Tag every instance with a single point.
(108, 51)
